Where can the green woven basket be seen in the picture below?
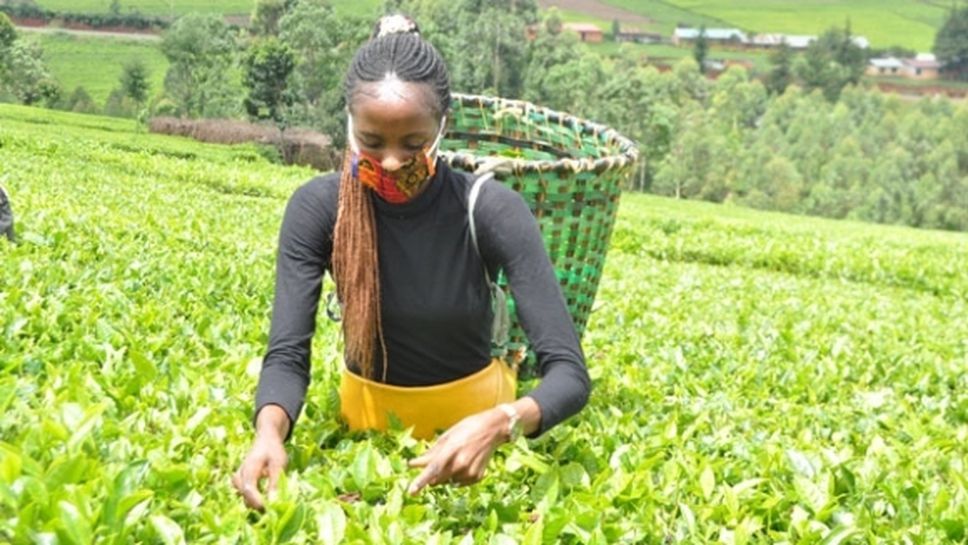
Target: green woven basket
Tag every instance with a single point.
(569, 171)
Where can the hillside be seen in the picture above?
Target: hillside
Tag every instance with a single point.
(96, 62)
(908, 23)
(179, 7)
(758, 378)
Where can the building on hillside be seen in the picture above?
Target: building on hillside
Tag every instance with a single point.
(587, 32)
(922, 66)
(795, 41)
(638, 36)
(774, 40)
(798, 41)
(737, 38)
(886, 66)
(767, 41)
(720, 36)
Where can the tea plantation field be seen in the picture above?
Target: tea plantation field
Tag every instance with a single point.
(758, 378)
(96, 63)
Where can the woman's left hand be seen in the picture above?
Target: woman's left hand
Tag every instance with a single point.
(461, 454)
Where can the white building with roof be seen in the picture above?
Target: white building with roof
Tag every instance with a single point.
(684, 36)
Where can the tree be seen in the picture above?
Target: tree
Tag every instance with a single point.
(494, 51)
(8, 35)
(81, 102)
(483, 41)
(694, 165)
(554, 65)
(266, 75)
(616, 29)
(552, 23)
(25, 75)
(846, 52)
(951, 43)
(831, 62)
(738, 102)
(781, 69)
(266, 16)
(323, 45)
(268, 68)
(134, 81)
(201, 51)
(701, 49)
(8, 32)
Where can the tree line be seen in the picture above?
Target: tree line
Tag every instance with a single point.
(113, 19)
(804, 138)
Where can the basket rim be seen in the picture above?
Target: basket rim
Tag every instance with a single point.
(627, 155)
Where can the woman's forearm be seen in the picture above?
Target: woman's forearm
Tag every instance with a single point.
(530, 414)
(272, 422)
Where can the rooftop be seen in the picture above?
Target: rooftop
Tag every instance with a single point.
(581, 27)
(712, 34)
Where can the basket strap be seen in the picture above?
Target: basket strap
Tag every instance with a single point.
(501, 326)
(471, 205)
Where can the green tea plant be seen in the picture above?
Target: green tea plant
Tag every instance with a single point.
(758, 378)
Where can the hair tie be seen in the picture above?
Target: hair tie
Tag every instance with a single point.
(394, 24)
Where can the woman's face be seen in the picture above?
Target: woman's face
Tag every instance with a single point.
(393, 120)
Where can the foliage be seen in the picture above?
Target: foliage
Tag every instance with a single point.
(781, 69)
(868, 157)
(201, 51)
(832, 62)
(701, 49)
(111, 19)
(81, 102)
(267, 68)
(747, 154)
(883, 22)
(135, 81)
(24, 75)
(757, 377)
(175, 8)
(951, 43)
(266, 15)
(323, 44)
(483, 42)
(97, 63)
(8, 33)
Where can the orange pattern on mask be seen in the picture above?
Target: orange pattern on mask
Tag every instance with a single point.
(398, 186)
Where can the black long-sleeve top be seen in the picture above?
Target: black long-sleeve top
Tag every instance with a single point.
(435, 301)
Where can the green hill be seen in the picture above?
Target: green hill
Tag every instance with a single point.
(908, 23)
(179, 7)
(763, 377)
(96, 63)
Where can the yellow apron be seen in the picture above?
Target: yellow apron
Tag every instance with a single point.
(366, 404)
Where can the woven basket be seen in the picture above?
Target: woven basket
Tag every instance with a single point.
(569, 171)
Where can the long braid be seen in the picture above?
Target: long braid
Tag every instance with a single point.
(356, 268)
(398, 53)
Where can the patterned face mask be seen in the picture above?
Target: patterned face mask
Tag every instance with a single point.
(401, 185)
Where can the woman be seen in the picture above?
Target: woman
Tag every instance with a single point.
(393, 229)
(6, 216)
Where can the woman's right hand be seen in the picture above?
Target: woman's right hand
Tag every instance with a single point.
(266, 459)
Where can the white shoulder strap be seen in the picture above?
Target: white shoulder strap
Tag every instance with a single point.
(501, 326)
(471, 205)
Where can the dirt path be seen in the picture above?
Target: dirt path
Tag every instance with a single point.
(92, 33)
(600, 10)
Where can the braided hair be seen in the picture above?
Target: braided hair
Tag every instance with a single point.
(395, 51)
